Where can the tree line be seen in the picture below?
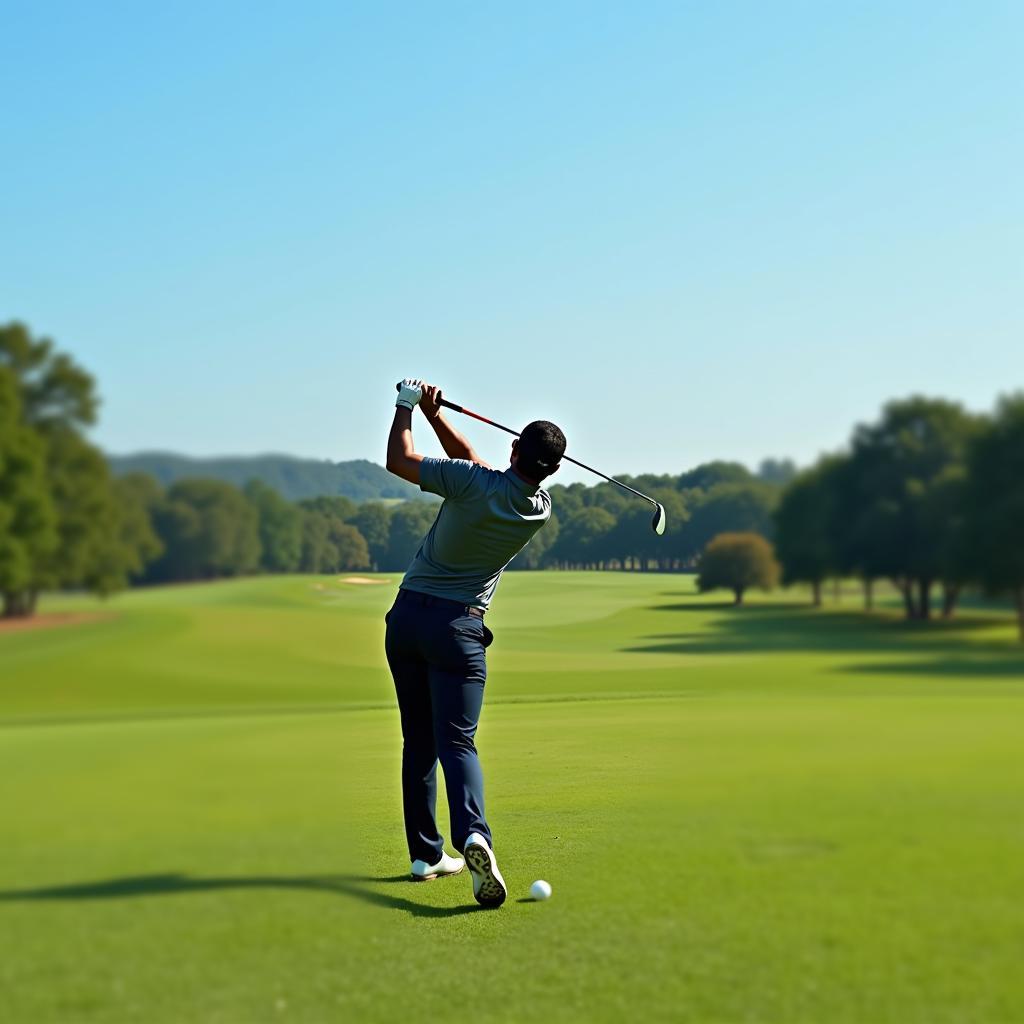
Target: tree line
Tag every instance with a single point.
(66, 522)
(293, 478)
(930, 497)
(601, 527)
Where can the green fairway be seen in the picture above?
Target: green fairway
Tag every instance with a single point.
(758, 814)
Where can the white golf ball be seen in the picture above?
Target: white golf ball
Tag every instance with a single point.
(540, 890)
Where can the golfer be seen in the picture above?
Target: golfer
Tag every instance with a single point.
(436, 638)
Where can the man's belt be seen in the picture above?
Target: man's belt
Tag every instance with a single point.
(431, 601)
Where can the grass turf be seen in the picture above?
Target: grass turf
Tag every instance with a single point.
(748, 814)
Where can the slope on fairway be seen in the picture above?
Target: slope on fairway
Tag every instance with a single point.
(769, 814)
(304, 642)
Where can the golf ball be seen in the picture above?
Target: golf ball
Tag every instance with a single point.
(540, 890)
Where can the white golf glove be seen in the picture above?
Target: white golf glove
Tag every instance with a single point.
(409, 393)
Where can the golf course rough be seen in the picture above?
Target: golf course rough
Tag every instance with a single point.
(758, 814)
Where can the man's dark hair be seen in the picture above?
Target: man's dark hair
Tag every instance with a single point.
(541, 445)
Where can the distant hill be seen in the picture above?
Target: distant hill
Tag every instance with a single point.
(294, 478)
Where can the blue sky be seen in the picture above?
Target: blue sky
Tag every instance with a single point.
(682, 231)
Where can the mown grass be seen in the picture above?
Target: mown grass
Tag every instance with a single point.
(765, 813)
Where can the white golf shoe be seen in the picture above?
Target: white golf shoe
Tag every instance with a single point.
(424, 872)
(488, 885)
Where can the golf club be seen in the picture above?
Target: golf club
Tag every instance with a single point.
(657, 523)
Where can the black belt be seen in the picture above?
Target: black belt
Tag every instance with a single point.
(430, 601)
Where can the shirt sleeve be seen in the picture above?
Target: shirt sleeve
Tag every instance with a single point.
(450, 478)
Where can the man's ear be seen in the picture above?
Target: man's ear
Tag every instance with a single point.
(558, 466)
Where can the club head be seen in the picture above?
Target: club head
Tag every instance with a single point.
(658, 522)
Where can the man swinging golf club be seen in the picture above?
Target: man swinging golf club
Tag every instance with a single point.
(436, 638)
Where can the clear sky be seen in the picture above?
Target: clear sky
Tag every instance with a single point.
(680, 230)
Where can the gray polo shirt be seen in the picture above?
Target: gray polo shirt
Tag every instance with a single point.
(486, 519)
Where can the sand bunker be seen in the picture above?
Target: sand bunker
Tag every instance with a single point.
(51, 621)
(360, 579)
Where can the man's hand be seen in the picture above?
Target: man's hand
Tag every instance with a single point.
(430, 403)
(409, 394)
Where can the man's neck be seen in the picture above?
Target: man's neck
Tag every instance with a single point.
(524, 477)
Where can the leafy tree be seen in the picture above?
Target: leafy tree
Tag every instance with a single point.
(54, 390)
(534, 555)
(334, 505)
(28, 520)
(58, 400)
(318, 553)
(351, 550)
(567, 499)
(632, 540)
(729, 508)
(900, 487)
(667, 550)
(88, 555)
(280, 528)
(209, 529)
(294, 479)
(738, 561)
(804, 523)
(409, 525)
(581, 535)
(179, 527)
(709, 474)
(995, 502)
(373, 521)
(329, 543)
(136, 497)
(777, 471)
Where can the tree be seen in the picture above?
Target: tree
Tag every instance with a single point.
(409, 525)
(373, 521)
(136, 497)
(28, 520)
(580, 537)
(318, 553)
(351, 551)
(329, 543)
(899, 490)
(336, 506)
(738, 561)
(179, 527)
(995, 502)
(57, 401)
(209, 529)
(709, 474)
(729, 508)
(535, 554)
(53, 389)
(280, 528)
(632, 540)
(567, 499)
(777, 471)
(804, 523)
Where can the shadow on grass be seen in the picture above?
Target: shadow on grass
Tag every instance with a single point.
(953, 667)
(356, 886)
(938, 647)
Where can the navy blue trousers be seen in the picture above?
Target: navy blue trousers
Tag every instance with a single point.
(437, 655)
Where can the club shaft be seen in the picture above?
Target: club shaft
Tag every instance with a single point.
(575, 462)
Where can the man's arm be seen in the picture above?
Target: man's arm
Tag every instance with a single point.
(402, 458)
(452, 441)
